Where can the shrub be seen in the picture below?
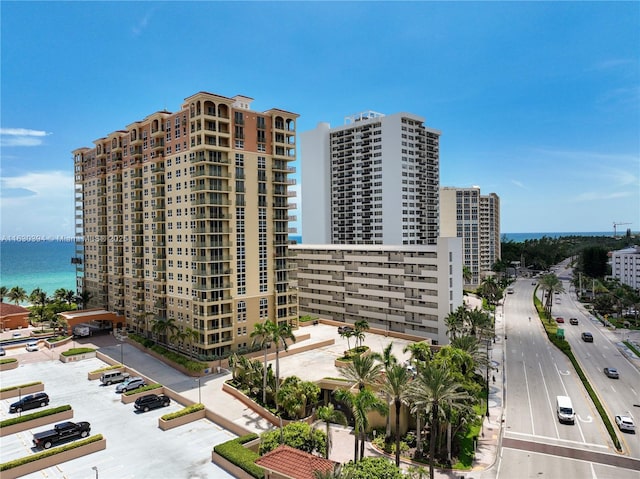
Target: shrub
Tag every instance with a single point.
(108, 368)
(56, 339)
(34, 415)
(76, 351)
(11, 388)
(234, 452)
(148, 387)
(49, 452)
(183, 412)
(299, 435)
(8, 360)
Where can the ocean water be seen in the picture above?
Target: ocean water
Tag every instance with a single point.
(47, 264)
(37, 264)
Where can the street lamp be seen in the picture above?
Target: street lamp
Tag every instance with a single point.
(199, 393)
(95, 468)
(122, 353)
(488, 366)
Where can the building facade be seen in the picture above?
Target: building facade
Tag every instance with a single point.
(182, 220)
(625, 266)
(475, 218)
(405, 289)
(373, 180)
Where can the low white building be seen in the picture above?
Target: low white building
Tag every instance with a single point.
(405, 289)
(625, 266)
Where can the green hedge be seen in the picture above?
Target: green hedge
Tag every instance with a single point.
(11, 388)
(234, 452)
(183, 412)
(8, 360)
(177, 358)
(76, 351)
(148, 387)
(49, 452)
(108, 368)
(35, 415)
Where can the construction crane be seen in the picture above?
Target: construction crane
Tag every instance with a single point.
(615, 226)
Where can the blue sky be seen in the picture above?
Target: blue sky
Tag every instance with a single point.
(538, 102)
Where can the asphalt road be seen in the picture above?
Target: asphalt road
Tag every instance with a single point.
(536, 372)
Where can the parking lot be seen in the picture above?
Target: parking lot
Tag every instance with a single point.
(136, 447)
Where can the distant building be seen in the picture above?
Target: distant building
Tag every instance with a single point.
(373, 180)
(625, 266)
(467, 214)
(13, 316)
(183, 217)
(404, 289)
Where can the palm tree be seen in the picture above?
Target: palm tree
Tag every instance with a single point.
(420, 352)
(467, 275)
(360, 327)
(190, 335)
(83, 298)
(62, 295)
(164, 328)
(362, 370)
(477, 319)
(388, 360)
(4, 291)
(17, 295)
(347, 333)
(360, 405)
(329, 414)
(281, 332)
(455, 322)
(395, 385)
(39, 299)
(550, 284)
(262, 335)
(434, 387)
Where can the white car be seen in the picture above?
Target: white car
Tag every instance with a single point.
(625, 423)
(32, 346)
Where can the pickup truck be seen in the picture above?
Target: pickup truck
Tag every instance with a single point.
(61, 432)
(151, 401)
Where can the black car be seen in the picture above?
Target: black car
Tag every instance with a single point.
(2, 351)
(587, 337)
(151, 401)
(30, 402)
(345, 329)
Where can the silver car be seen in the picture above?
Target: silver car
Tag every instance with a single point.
(130, 384)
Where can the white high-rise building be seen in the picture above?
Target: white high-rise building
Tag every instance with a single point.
(373, 180)
(625, 266)
(467, 214)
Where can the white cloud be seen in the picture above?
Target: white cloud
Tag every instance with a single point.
(519, 184)
(37, 203)
(138, 29)
(600, 196)
(21, 137)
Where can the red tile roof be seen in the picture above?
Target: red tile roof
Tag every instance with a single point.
(7, 308)
(294, 463)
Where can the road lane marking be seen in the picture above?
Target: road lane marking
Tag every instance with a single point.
(526, 381)
(555, 425)
(546, 439)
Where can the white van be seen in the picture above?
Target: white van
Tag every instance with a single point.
(564, 409)
(113, 377)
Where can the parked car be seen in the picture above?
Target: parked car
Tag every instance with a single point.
(559, 320)
(113, 377)
(61, 432)
(32, 346)
(2, 351)
(130, 384)
(612, 373)
(345, 329)
(31, 401)
(587, 337)
(573, 321)
(151, 401)
(625, 423)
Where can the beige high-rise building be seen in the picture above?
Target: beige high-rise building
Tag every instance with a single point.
(184, 218)
(467, 214)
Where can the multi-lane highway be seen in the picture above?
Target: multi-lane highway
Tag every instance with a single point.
(537, 372)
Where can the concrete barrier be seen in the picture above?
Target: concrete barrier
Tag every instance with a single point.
(55, 459)
(40, 421)
(22, 391)
(180, 421)
(231, 468)
(9, 365)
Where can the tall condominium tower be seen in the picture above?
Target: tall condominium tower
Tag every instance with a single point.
(373, 180)
(183, 219)
(466, 214)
